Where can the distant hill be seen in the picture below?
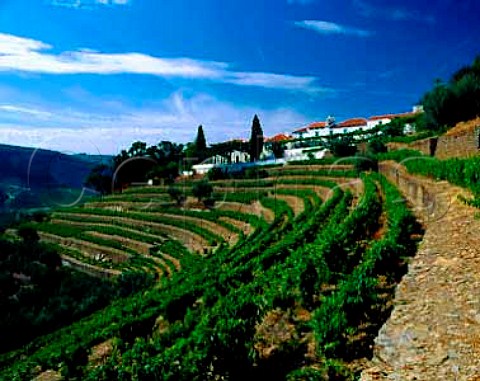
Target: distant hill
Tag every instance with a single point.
(38, 178)
(39, 168)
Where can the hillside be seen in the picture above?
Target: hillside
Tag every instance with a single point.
(288, 277)
(38, 168)
(291, 275)
(35, 178)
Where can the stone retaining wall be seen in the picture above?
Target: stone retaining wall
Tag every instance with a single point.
(459, 144)
(416, 190)
(462, 144)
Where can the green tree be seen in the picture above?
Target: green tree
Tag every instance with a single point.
(278, 149)
(100, 179)
(141, 162)
(177, 195)
(202, 190)
(28, 234)
(455, 101)
(226, 148)
(256, 139)
(200, 141)
(375, 146)
(342, 146)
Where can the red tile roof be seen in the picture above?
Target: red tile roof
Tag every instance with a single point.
(380, 117)
(278, 138)
(317, 125)
(393, 116)
(354, 122)
(311, 126)
(303, 129)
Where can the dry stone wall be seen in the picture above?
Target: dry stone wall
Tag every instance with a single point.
(433, 332)
(462, 144)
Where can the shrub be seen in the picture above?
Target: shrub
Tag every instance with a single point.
(28, 234)
(202, 189)
(366, 163)
(177, 195)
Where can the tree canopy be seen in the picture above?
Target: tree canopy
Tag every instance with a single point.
(454, 101)
(202, 190)
(138, 164)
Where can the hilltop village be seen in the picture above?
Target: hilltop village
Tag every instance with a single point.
(307, 142)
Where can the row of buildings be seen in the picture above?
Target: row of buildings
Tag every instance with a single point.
(329, 127)
(295, 150)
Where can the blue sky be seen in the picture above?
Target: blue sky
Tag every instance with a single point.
(95, 75)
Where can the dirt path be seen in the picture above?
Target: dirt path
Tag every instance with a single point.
(254, 208)
(434, 330)
(312, 167)
(192, 241)
(176, 263)
(89, 249)
(157, 238)
(90, 269)
(294, 202)
(127, 205)
(229, 236)
(246, 228)
(137, 246)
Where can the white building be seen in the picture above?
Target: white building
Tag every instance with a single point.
(319, 129)
(350, 125)
(234, 157)
(316, 129)
(300, 154)
(239, 157)
(374, 121)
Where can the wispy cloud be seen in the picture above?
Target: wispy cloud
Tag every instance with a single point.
(24, 110)
(270, 80)
(326, 27)
(29, 55)
(174, 118)
(87, 4)
(391, 13)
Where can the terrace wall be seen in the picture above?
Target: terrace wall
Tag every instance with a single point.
(464, 143)
(461, 144)
(426, 146)
(416, 189)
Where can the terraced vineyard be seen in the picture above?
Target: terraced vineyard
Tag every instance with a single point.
(288, 277)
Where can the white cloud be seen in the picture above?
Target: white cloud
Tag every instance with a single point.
(396, 14)
(270, 80)
(24, 110)
(326, 27)
(87, 4)
(174, 118)
(28, 55)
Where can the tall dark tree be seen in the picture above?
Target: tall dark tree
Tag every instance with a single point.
(200, 141)
(256, 139)
(201, 144)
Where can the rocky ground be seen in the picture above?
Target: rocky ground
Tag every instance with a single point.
(434, 330)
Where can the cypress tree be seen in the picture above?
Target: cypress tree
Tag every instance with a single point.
(256, 139)
(200, 144)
